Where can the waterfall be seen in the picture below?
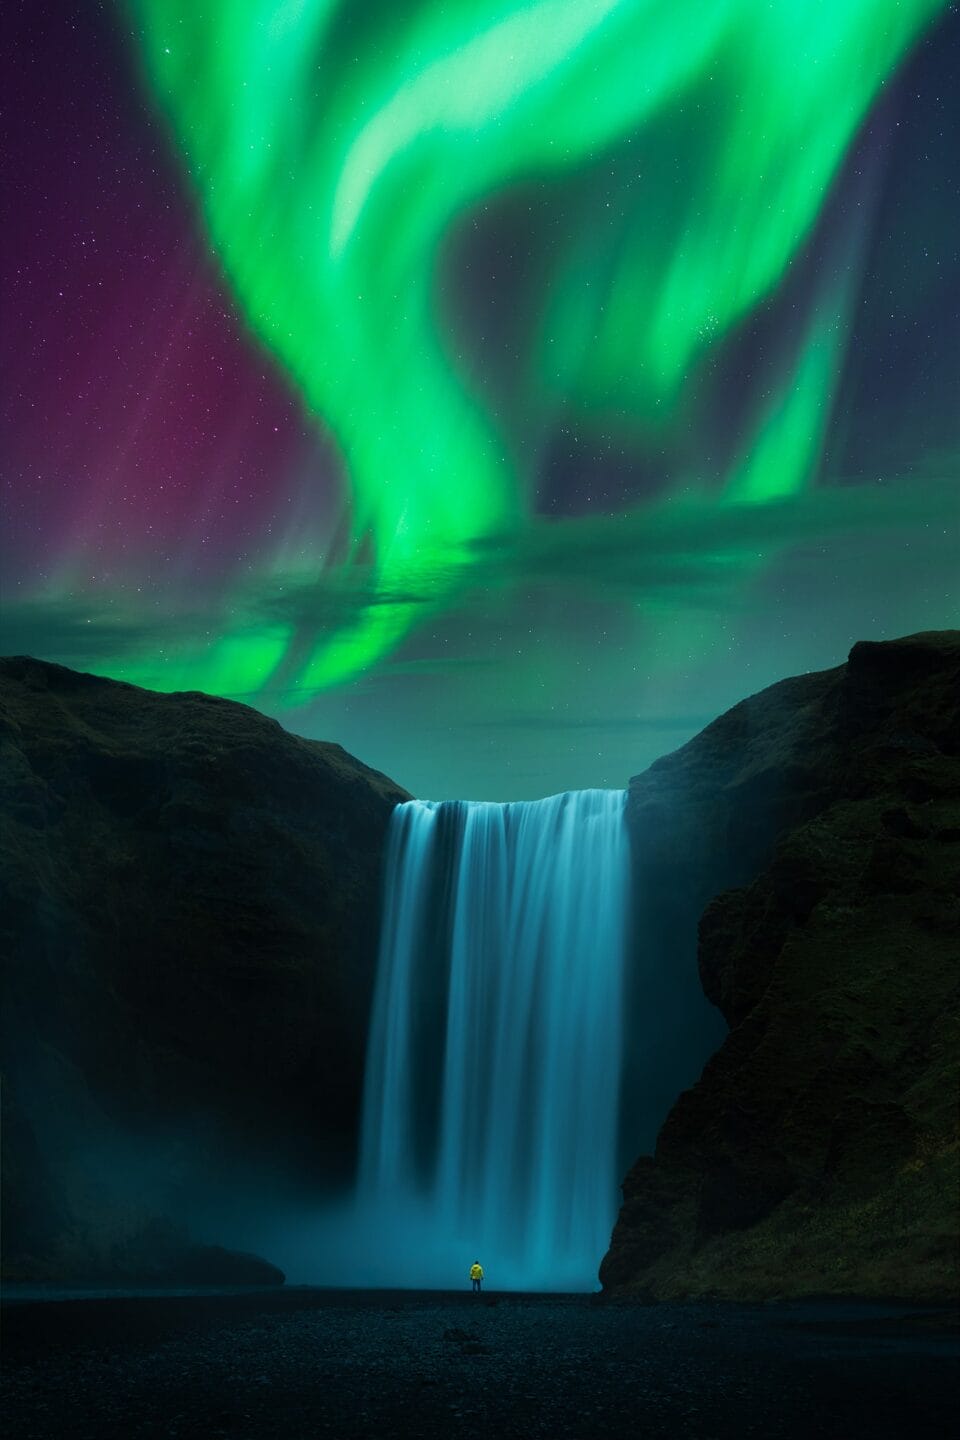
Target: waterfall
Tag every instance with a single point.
(493, 1070)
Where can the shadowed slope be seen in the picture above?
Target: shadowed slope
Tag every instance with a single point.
(189, 904)
(818, 1153)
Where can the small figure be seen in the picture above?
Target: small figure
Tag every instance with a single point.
(476, 1275)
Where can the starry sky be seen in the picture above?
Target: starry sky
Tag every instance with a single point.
(500, 389)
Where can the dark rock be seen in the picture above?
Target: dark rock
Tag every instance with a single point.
(213, 1265)
(189, 908)
(812, 830)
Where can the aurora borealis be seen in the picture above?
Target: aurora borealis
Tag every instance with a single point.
(500, 389)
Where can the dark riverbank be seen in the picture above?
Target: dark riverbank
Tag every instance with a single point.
(301, 1363)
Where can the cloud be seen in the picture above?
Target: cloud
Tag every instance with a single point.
(547, 720)
(332, 600)
(687, 553)
(434, 664)
(90, 629)
(694, 549)
(75, 630)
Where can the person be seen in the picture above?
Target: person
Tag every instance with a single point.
(476, 1275)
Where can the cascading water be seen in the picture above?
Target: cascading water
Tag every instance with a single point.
(493, 1070)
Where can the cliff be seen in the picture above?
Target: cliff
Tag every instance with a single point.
(818, 1153)
(189, 907)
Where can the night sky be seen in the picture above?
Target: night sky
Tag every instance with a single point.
(502, 390)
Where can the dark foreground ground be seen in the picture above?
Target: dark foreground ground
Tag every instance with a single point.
(308, 1363)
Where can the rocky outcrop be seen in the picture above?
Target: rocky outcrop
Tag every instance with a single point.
(189, 902)
(816, 829)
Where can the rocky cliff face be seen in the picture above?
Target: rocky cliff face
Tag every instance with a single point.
(189, 905)
(818, 1153)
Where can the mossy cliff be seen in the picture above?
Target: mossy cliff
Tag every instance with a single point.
(818, 1153)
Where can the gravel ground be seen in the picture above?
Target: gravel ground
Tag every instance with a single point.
(307, 1363)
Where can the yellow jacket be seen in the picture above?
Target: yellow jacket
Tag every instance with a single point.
(476, 1272)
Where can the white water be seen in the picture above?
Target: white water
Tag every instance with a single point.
(493, 1072)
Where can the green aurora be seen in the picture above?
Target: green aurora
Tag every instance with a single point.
(676, 153)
